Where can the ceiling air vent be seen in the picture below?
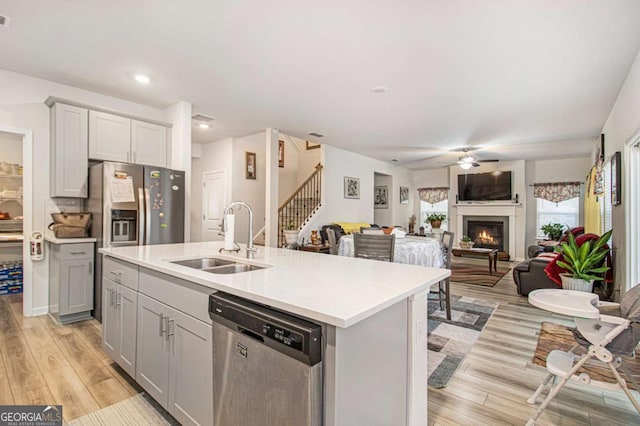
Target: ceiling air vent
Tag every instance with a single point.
(201, 117)
(4, 21)
(317, 135)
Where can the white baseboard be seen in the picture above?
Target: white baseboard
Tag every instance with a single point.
(41, 310)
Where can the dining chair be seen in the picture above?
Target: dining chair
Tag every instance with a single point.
(607, 338)
(333, 243)
(377, 247)
(444, 294)
(371, 231)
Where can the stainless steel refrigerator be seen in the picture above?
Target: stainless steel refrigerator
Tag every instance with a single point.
(133, 205)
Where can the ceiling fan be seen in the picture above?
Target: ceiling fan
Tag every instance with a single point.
(467, 161)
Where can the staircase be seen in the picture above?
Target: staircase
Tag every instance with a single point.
(301, 205)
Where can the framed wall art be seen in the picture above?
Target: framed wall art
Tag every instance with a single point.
(311, 145)
(250, 165)
(404, 195)
(616, 179)
(381, 197)
(280, 153)
(351, 187)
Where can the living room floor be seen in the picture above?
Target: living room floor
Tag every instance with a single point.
(41, 362)
(492, 384)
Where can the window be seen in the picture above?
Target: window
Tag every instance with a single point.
(427, 208)
(565, 212)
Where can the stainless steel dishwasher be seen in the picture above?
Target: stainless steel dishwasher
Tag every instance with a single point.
(267, 365)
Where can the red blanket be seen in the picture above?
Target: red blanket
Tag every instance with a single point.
(553, 271)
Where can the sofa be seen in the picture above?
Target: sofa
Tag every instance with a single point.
(530, 275)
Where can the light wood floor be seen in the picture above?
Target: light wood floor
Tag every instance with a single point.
(497, 376)
(43, 363)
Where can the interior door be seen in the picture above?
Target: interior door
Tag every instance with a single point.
(213, 203)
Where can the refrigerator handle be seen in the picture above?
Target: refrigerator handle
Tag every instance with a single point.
(141, 217)
(147, 217)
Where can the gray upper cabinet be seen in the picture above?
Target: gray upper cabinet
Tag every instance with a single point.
(69, 160)
(109, 137)
(148, 143)
(121, 139)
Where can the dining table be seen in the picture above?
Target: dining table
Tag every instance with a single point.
(421, 251)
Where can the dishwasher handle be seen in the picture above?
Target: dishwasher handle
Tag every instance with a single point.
(251, 334)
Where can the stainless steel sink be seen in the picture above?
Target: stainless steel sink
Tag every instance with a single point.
(233, 269)
(203, 262)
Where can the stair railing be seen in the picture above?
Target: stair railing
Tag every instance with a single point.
(298, 208)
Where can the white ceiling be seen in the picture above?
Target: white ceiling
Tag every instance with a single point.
(514, 77)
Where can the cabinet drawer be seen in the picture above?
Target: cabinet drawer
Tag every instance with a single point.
(188, 297)
(120, 272)
(76, 251)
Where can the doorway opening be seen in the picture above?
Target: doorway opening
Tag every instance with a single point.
(16, 186)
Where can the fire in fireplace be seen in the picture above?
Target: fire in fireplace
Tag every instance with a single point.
(486, 234)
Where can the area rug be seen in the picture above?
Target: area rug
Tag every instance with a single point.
(556, 336)
(478, 274)
(138, 410)
(449, 341)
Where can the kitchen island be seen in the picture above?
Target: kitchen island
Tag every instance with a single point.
(374, 318)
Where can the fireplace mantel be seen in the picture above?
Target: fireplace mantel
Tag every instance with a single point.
(491, 209)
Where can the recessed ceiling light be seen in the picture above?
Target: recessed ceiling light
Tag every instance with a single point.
(203, 125)
(379, 89)
(141, 78)
(4, 21)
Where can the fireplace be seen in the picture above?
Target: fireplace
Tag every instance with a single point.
(490, 232)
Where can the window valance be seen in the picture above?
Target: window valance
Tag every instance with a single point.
(556, 191)
(433, 195)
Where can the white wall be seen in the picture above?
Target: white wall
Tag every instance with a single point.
(10, 148)
(22, 106)
(251, 191)
(340, 163)
(567, 170)
(214, 156)
(623, 123)
(384, 217)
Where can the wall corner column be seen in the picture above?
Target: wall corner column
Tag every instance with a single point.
(271, 188)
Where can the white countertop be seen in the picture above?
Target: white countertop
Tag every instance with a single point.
(336, 290)
(54, 240)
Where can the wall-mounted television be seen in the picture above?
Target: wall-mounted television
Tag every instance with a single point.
(490, 186)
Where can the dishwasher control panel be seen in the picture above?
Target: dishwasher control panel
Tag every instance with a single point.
(297, 337)
(288, 337)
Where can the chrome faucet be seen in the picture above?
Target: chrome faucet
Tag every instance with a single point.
(250, 248)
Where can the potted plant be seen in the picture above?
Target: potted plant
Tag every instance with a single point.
(465, 242)
(553, 230)
(436, 219)
(584, 264)
(290, 234)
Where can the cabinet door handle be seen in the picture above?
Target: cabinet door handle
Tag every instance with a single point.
(118, 298)
(171, 331)
(78, 252)
(134, 157)
(111, 296)
(128, 154)
(90, 268)
(166, 327)
(161, 331)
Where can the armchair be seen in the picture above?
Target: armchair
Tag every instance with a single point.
(530, 275)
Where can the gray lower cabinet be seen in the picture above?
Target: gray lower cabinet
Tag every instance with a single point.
(71, 282)
(119, 324)
(174, 361)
